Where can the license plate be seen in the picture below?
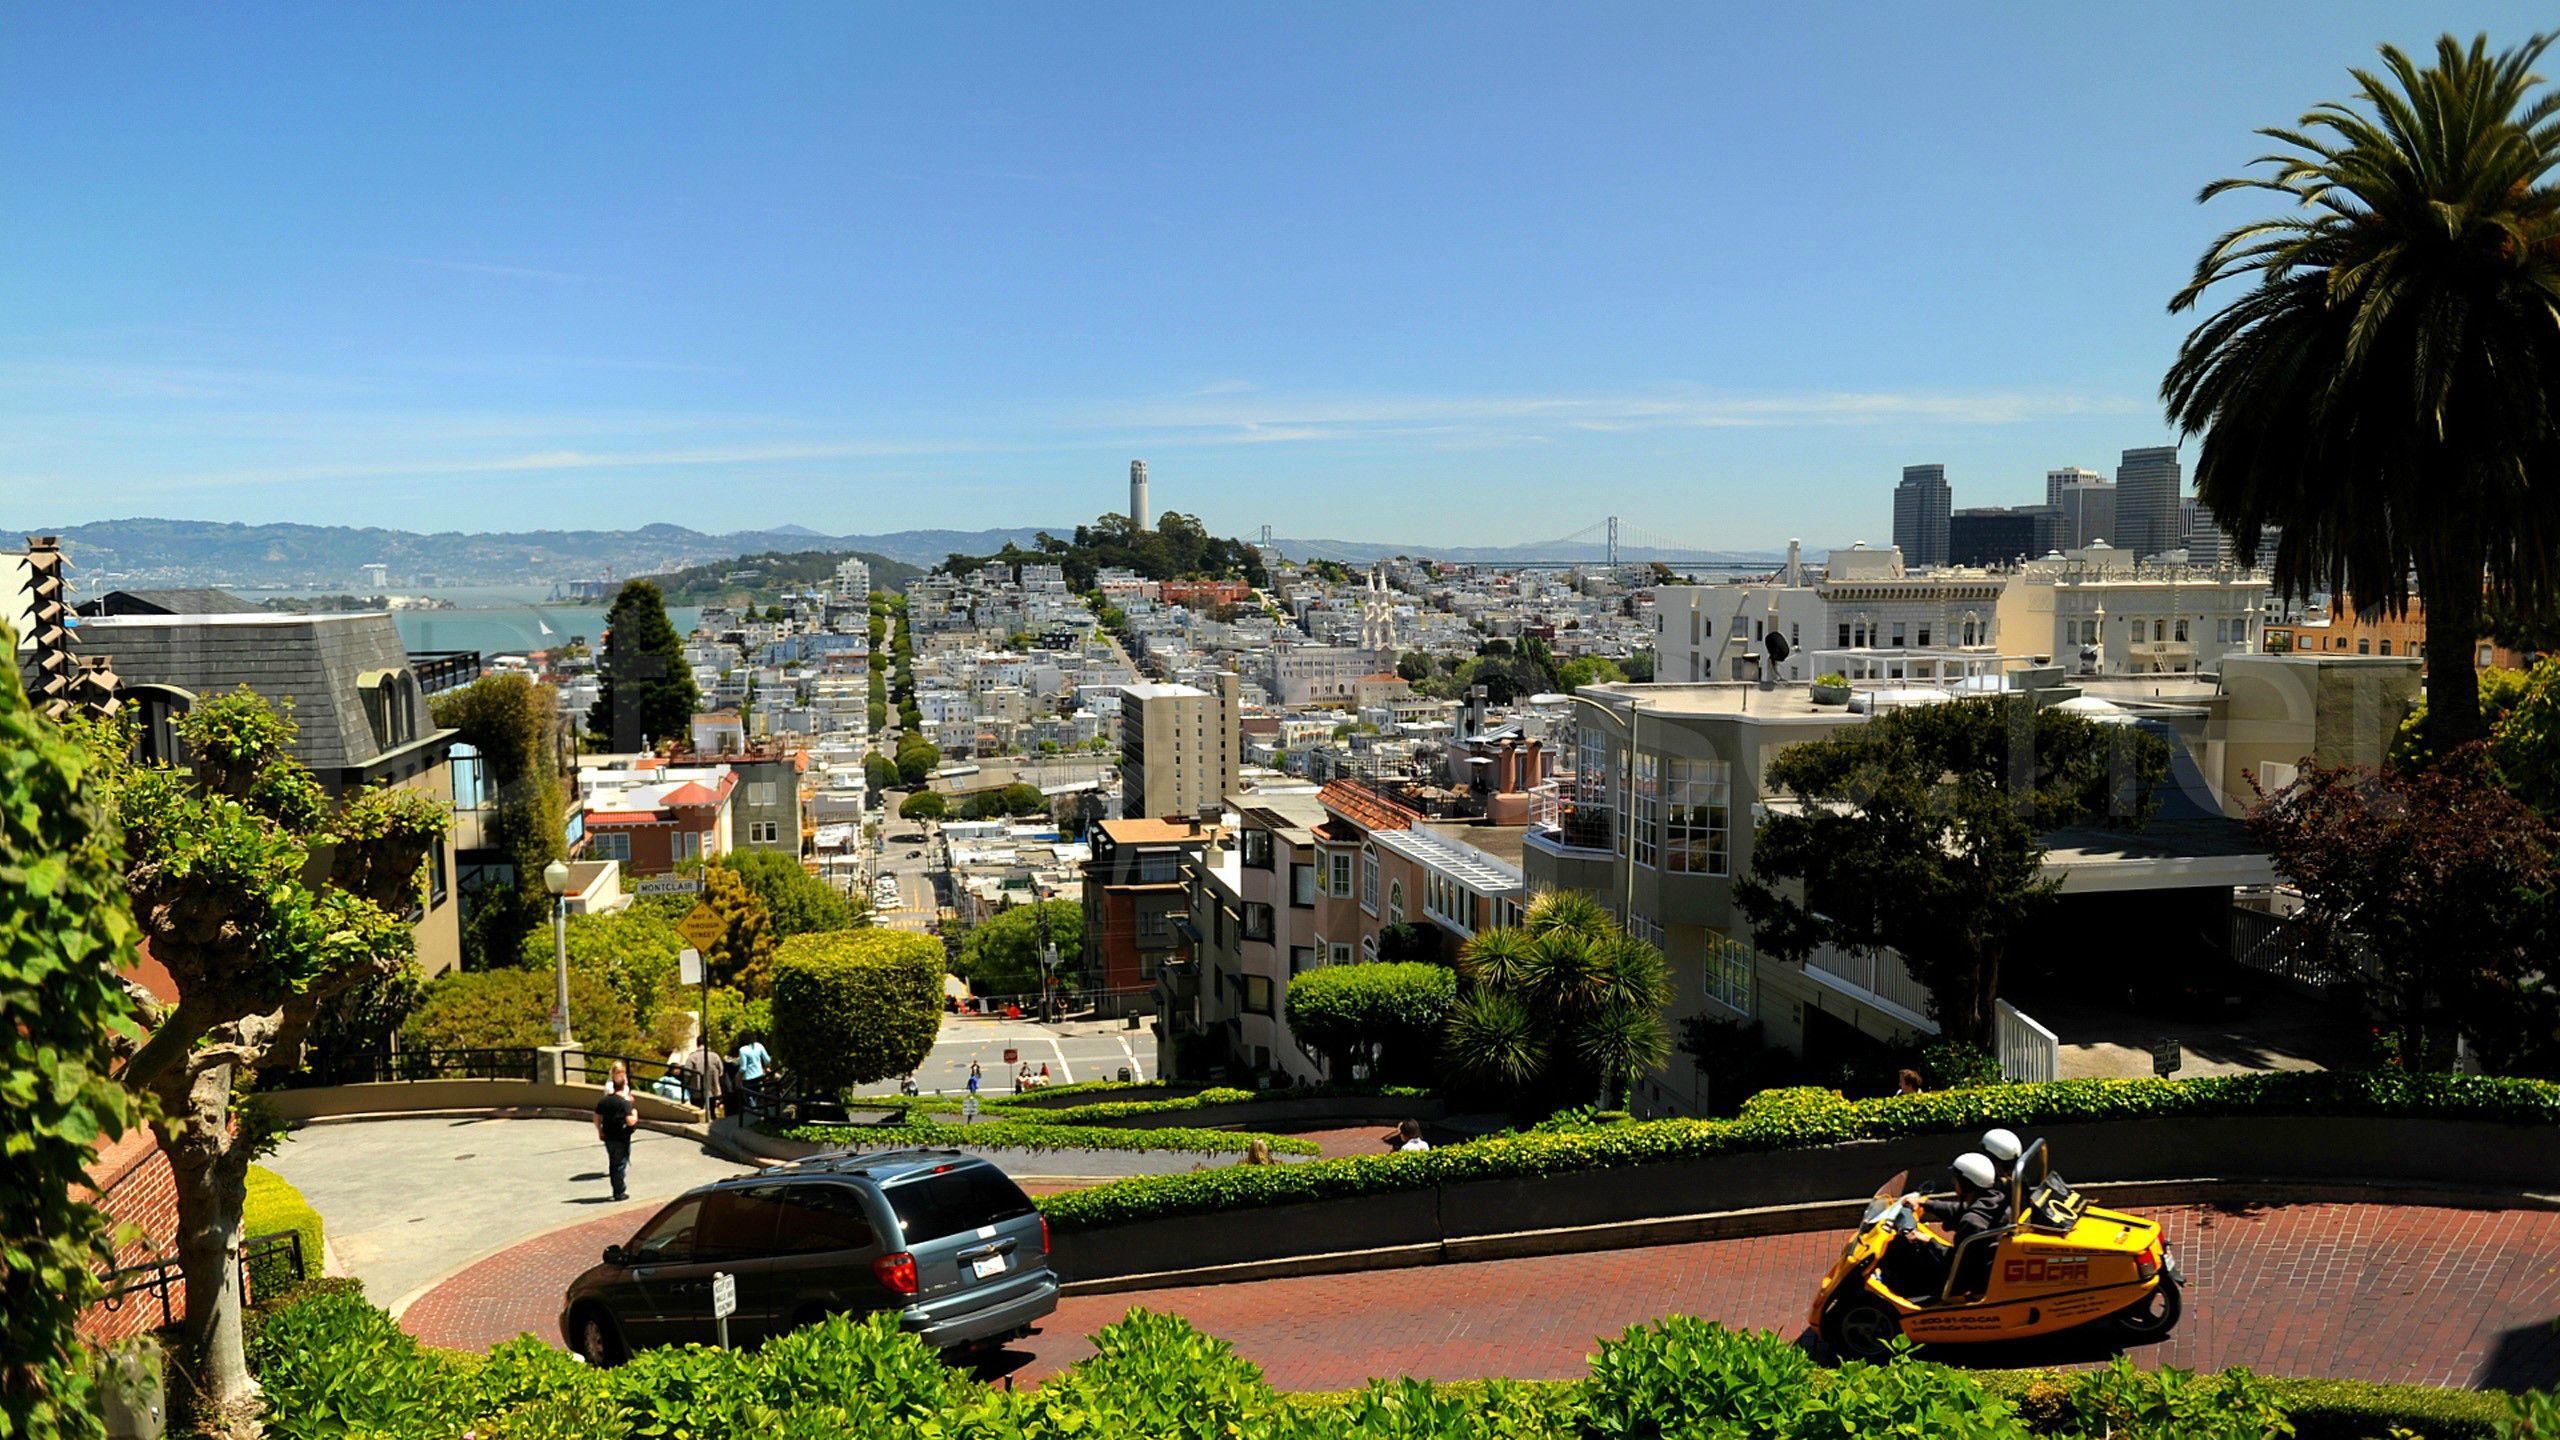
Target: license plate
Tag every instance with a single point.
(986, 1266)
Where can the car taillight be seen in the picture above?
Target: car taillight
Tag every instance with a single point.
(1044, 1234)
(898, 1272)
(2147, 1264)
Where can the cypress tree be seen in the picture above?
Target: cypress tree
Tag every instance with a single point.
(647, 690)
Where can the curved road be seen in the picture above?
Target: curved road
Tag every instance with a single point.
(2399, 1293)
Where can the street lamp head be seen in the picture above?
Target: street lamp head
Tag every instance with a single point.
(555, 877)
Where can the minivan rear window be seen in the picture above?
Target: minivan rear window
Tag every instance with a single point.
(954, 1202)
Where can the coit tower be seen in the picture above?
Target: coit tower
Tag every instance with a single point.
(1138, 494)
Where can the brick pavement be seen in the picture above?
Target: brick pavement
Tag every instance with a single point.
(2417, 1294)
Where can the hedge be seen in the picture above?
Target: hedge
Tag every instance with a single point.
(1794, 1119)
(511, 1010)
(1010, 1133)
(854, 1006)
(1400, 1007)
(272, 1205)
(333, 1366)
(1042, 1102)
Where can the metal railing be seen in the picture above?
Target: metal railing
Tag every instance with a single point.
(166, 1279)
(657, 1077)
(391, 1065)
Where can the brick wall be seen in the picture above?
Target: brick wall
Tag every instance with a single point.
(134, 1187)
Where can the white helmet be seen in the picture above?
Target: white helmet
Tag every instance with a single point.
(1975, 1170)
(2001, 1146)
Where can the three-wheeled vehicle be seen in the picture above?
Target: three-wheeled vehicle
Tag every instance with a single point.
(2061, 1263)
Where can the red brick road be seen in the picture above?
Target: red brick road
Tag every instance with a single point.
(2439, 1296)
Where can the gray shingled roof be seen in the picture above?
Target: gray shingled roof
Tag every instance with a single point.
(316, 662)
(170, 602)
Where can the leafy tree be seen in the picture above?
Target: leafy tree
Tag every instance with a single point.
(1382, 1013)
(65, 935)
(1921, 830)
(854, 1006)
(1588, 670)
(514, 723)
(743, 955)
(923, 805)
(2380, 387)
(1177, 547)
(1002, 956)
(261, 900)
(1014, 799)
(796, 901)
(2444, 882)
(918, 758)
(1562, 1004)
(2417, 744)
(1413, 665)
(633, 951)
(880, 772)
(511, 1010)
(647, 690)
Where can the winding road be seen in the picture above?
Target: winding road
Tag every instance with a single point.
(2398, 1293)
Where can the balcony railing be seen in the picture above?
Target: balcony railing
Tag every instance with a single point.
(1556, 813)
(1877, 975)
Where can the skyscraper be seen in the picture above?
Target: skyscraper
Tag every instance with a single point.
(1138, 493)
(1920, 505)
(2148, 516)
(2082, 506)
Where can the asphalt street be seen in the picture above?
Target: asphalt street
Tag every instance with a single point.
(1072, 1053)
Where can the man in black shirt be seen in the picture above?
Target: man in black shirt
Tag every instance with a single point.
(1978, 1207)
(616, 1118)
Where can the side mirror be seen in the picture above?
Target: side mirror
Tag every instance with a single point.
(613, 1255)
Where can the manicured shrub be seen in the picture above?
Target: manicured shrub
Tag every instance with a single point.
(1792, 1119)
(854, 1006)
(273, 1205)
(1013, 1131)
(511, 1010)
(1390, 1011)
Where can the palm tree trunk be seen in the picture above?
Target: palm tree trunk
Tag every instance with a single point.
(2449, 588)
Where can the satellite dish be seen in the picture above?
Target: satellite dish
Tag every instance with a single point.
(1776, 645)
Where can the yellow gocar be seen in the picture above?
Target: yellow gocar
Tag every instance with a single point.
(2062, 1264)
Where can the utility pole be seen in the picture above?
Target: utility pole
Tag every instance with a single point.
(1048, 951)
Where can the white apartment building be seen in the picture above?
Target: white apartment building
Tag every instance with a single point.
(2097, 612)
(1320, 674)
(1178, 748)
(853, 581)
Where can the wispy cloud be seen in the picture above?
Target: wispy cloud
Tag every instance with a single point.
(510, 272)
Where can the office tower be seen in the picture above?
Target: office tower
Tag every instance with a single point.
(2206, 544)
(1995, 534)
(2148, 517)
(1138, 493)
(1178, 748)
(1920, 506)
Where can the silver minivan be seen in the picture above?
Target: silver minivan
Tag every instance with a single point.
(947, 1241)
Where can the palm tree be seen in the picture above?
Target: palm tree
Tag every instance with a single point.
(1493, 1041)
(1567, 910)
(2387, 388)
(1495, 959)
(1621, 1041)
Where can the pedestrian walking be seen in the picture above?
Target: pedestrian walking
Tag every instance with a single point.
(975, 1075)
(616, 1117)
(753, 1059)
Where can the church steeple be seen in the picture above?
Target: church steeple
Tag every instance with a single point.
(1378, 614)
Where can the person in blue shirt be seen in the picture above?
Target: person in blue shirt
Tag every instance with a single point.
(752, 1060)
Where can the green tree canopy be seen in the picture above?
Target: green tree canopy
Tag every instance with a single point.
(1922, 831)
(743, 955)
(66, 936)
(1002, 956)
(1014, 799)
(854, 1006)
(633, 951)
(923, 805)
(1177, 547)
(511, 1010)
(796, 901)
(2379, 383)
(1386, 1014)
(1561, 1006)
(513, 722)
(647, 690)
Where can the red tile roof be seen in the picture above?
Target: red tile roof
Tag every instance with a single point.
(691, 792)
(1365, 807)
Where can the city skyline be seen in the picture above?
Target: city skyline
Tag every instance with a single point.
(1389, 275)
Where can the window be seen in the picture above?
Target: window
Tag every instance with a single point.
(1257, 994)
(764, 832)
(2386, 647)
(667, 1240)
(1726, 973)
(738, 1224)
(2182, 630)
(1395, 902)
(760, 792)
(1369, 879)
(2364, 645)
(1257, 921)
(948, 1202)
(688, 845)
(1924, 637)
(1302, 958)
(1696, 820)
(1338, 882)
(819, 1218)
(1302, 886)
(1338, 953)
(1155, 929)
(436, 881)
(1644, 811)
(609, 845)
(1257, 849)
(1898, 634)
(1844, 635)
(1594, 792)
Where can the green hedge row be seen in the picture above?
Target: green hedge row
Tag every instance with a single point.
(272, 1204)
(1794, 1119)
(1008, 1133)
(333, 1366)
(1160, 1100)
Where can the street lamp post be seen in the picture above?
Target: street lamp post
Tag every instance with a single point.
(555, 878)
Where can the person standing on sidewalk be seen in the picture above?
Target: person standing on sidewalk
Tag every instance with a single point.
(616, 1117)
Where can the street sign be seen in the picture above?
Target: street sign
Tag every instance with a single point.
(689, 966)
(969, 1110)
(668, 885)
(724, 1295)
(703, 926)
(2167, 1055)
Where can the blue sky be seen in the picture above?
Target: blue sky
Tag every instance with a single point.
(1473, 274)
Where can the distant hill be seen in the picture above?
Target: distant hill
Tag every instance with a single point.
(1358, 552)
(164, 553)
(762, 579)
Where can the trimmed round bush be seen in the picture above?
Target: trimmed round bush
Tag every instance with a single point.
(1399, 1008)
(511, 1010)
(854, 1006)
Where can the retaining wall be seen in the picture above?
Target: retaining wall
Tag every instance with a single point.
(396, 1097)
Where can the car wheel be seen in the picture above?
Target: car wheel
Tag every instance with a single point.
(1861, 1328)
(599, 1343)
(2154, 1315)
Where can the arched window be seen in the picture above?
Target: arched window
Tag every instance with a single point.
(1395, 902)
(156, 710)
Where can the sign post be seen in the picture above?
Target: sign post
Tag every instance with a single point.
(668, 885)
(703, 928)
(969, 1109)
(2167, 1056)
(724, 1302)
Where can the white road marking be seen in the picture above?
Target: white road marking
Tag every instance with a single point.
(1136, 1070)
(1066, 1076)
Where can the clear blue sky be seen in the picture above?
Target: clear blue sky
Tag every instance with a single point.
(1464, 273)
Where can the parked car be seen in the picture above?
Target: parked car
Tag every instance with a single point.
(947, 1242)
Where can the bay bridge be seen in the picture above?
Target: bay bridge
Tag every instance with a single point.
(1607, 542)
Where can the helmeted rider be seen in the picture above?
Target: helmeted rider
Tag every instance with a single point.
(1979, 1205)
(2003, 1148)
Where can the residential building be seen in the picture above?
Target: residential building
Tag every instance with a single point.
(2148, 517)
(1205, 594)
(853, 581)
(1864, 613)
(1178, 748)
(1135, 890)
(2098, 612)
(653, 816)
(1920, 506)
(1320, 674)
